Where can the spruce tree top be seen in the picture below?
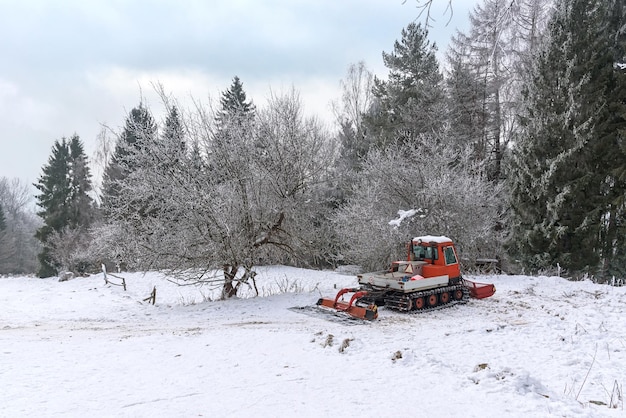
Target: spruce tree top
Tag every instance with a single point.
(234, 101)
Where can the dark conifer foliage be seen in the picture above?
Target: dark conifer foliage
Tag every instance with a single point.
(467, 115)
(64, 201)
(233, 103)
(139, 129)
(233, 121)
(82, 208)
(563, 187)
(174, 132)
(174, 141)
(412, 101)
(613, 145)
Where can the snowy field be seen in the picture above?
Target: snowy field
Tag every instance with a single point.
(540, 347)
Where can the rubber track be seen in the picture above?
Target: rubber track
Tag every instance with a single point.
(399, 301)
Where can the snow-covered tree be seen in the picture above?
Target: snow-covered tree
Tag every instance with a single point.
(442, 189)
(234, 101)
(356, 100)
(6, 247)
(563, 182)
(412, 101)
(243, 196)
(139, 129)
(174, 134)
(3, 221)
(488, 67)
(18, 245)
(64, 198)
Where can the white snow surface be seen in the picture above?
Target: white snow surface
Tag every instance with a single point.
(402, 215)
(540, 347)
(432, 238)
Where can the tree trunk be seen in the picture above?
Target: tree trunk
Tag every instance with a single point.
(231, 283)
(230, 289)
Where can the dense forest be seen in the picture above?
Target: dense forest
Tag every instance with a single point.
(514, 147)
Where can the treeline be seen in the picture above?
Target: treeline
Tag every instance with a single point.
(515, 151)
(18, 246)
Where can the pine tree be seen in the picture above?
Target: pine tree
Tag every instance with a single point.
(195, 161)
(173, 142)
(234, 103)
(412, 101)
(173, 132)
(234, 120)
(80, 186)
(139, 130)
(466, 112)
(562, 186)
(63, 200)
(613, 144)
(55, 189)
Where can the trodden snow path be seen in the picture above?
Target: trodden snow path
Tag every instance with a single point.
(541, 346)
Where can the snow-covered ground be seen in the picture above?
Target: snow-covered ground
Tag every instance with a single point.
(541, 346)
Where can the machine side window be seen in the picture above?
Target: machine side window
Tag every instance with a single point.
(449, 255)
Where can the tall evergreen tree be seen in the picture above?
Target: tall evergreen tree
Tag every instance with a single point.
(173, 139)
(234, 103)
(63, 200)
(82, 206)
(195, 160)
(140, 129)
(412, 101)
(613, 144)
(233, 121)
(562, 181)
(173, 131)
(466, 112)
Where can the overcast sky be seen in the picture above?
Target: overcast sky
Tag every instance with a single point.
(69, 66)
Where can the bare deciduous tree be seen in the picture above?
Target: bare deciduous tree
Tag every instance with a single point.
(247, 195)
(425, 10)
(69, 249)
(18, 246)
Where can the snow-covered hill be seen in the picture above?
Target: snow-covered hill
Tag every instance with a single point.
(541, 346)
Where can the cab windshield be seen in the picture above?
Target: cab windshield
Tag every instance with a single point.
(425, 253)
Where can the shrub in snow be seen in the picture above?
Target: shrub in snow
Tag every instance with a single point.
(445, 191)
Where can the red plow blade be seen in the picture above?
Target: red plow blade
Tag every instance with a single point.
(370, 312)
(479, 290)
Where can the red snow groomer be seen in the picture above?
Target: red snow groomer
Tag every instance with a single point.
(430, 278)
